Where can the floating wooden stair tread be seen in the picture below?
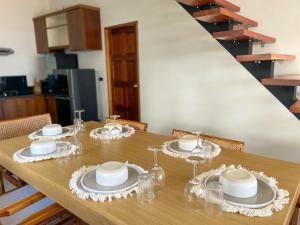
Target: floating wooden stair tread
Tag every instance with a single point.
(265, 57)
(223, 3)
(234, 35)
(218, 15)
(296, 107)
(283, 80)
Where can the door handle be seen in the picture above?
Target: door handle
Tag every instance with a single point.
(135, 86)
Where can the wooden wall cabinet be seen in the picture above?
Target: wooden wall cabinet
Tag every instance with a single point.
(18, 107)
(77, 28)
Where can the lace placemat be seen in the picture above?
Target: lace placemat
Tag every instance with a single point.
(96, 135)
(58, 154)
(281, 199)
(81, 192)
(69, 133)
(168, 151)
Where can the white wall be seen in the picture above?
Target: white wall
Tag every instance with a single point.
(189, 81)
(17, 32)
(279, 19)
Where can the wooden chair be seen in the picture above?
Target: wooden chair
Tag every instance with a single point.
(15, 128)
(23, 126)
(26, 205)
(222, 142)
(136, 125)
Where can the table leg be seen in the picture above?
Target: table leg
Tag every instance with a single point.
(294, 220)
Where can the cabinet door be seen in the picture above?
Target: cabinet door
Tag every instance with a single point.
(13, 108)
(84, 29)
(41, 35)
(51, 108)
(40, 105)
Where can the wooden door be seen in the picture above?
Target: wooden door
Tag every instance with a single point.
(122, 60)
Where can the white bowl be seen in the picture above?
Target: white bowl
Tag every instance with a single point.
(238, 183)
(188, 142)
(52, 129)
(112, 174)
(41, 147)
(110, 126)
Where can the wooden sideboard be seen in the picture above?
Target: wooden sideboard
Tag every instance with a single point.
(24, 106)
(76, 28)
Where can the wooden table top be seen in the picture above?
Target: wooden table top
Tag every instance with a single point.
(52, 178)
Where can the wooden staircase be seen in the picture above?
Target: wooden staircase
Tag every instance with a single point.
(218, 15)
(237, 35)
(265, 57)
(283, 80)
(218, 3)
(222, 19)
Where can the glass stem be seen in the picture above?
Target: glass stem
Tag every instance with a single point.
(155, 159)
(198, 141)
(75, 135)
(195, 171)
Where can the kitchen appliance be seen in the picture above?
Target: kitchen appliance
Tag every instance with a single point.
(59, 61)
(74, 89)
(13, 86)
(6, 51)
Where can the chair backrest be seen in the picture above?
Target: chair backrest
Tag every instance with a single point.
(136, 125)
(23, 126)
(233, 145)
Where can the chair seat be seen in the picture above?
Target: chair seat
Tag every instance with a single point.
(17, 195)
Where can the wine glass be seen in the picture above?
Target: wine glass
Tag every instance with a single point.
(76, 128)
(189, 193)
(158, 173)
(198, 148)
(78, 120)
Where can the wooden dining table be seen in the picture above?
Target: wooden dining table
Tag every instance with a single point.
(52, 178)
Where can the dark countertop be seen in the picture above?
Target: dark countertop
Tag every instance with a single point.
(31, 95)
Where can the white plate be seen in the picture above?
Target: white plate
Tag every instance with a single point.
(88, 182)
(26, 153)
(265, 195)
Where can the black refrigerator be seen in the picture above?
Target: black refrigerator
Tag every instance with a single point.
(74, 89)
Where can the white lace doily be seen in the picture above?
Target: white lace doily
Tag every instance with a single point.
(71, 151)
(166, 149)
(98, 136)
(281, 199)
(80, 192)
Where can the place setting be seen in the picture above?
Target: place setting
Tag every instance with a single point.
(233, 189)
(44, 149)
(115, 180)
(106, 181)
(112, 131)
(191, 144)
